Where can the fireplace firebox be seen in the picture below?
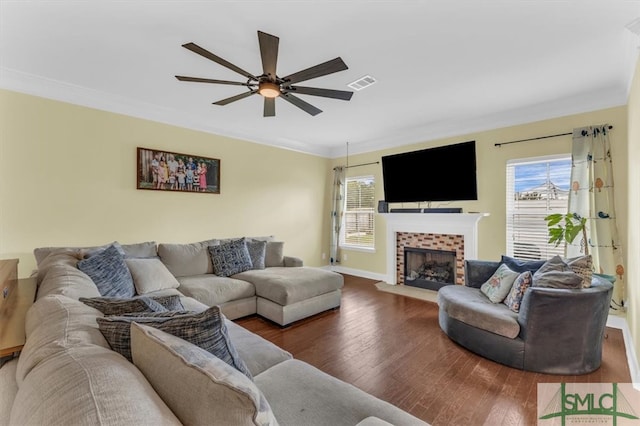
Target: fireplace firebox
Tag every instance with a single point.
(430, 269)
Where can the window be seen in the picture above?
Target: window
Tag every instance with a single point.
(536, 187)
(358, 226)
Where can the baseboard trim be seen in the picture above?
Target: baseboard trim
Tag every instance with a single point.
(618, 322)
(357, 272)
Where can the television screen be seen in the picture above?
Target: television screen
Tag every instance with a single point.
(445, 173)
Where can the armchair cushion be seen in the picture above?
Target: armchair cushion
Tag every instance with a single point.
(555, 273)
(475, 309)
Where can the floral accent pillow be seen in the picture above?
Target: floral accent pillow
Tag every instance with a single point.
(498, 286)
(518, 288)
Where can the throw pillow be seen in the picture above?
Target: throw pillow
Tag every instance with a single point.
(92, 251)
(109, 272)
(204, 329)
(196, 385)
(520, 265)
(555, 273)
(519, 287)
(230, 258)
(150, 275)
(114, 306)
(583, 266)
(274, 255)
(257, 252)
(499, 284)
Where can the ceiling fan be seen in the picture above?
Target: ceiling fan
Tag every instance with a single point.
(268, 84)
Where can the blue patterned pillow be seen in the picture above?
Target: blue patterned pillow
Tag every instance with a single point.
(257, 253)
(231, 257)
(204, 329)
(146, 304)
(519, 287)
(109, 272)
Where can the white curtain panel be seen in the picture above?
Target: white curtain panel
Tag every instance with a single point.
(591, 196)
(336, 213)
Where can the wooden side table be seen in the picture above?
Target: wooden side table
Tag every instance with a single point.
(16, 297)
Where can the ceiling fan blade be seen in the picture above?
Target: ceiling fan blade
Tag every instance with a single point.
(269, 53)
(307, 107)
(209, 80)
(269, 107)
(319, 70)
(205, 53)
(234, 98)
(316, 91)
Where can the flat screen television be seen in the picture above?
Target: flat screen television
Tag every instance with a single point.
(444, 173)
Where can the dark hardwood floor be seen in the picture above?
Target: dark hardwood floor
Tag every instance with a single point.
(392, 347)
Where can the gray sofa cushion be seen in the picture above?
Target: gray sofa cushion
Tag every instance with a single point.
(150, 274)
(145, 249)
(257, 353)
(187, 259)
(300, 394)
(214, 290)
(88, 385)
(274, 254)
(285, 286)
(471, 307)
(199, 387)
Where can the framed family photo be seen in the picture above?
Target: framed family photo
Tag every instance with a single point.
(173, 171)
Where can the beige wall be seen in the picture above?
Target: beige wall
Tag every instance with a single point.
(491, 165)
(68, 177)
(633, 252)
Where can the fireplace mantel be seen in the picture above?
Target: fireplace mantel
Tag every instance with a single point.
(465, 224)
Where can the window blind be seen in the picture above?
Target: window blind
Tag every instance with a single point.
(358, 218)
(536, 187)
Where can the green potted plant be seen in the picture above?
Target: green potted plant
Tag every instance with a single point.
(566, 227)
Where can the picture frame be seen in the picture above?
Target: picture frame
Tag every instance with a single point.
(161, 170)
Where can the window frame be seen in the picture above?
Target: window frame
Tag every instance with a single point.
(546, 250)
(343, 228)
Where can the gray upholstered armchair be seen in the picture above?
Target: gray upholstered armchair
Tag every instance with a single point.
(556, 331)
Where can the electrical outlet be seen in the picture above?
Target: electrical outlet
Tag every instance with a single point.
(344, 256)
(324, 256)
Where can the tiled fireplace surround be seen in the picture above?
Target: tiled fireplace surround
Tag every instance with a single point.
(439, 231)
(433, 242)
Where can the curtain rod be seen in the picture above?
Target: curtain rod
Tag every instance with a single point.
(535, 139)
(358, 165)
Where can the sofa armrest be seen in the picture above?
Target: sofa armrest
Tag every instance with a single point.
(290, 261)
(564, 328)
(477, 272)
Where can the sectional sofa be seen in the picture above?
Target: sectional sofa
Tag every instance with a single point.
(68, 372)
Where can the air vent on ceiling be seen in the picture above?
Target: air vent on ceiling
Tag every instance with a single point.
(362, 82)
(634, 26)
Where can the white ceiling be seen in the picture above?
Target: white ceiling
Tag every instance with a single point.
(443, 68)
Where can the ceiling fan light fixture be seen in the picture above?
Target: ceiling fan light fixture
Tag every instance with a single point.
(269, 89)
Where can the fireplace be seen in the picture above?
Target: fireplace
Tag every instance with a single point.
(430, 269)
(437, 231)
